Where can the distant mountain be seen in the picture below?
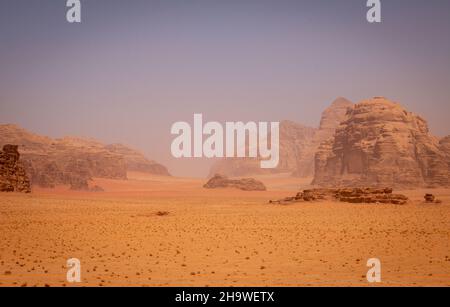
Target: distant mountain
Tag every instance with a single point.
(72, 160)
(295, 140)
(136, 161)
(382, 144)
(298, 145)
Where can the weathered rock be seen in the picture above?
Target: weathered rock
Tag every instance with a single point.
(444, 146)
(71, 161)
(429, 198)
(136, 161)
(295, 143)
(13, 177)
(381, 144)
(298, 145)
(331, 119)
(349, 195)
(246, 184)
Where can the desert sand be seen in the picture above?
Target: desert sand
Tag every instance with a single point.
(163, 231)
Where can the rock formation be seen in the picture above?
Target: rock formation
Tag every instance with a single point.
(13, 177)
(295, 141)
(329, 122)
(246, 184)
(298, 145)
(431, 199)
(444, 146)
(348, 195)
(331, 119)
(68, 161)
(135, 161)
(381, 144)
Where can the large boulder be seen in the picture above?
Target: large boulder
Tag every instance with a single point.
(381, 144)
(246, 184)
(13, 177)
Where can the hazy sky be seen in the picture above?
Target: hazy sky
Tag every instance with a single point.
(133, 68)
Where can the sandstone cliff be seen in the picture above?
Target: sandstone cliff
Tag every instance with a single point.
(329, 122)
(69, 161)
(298, 145)
(13, 177)
(381, 144)
(295, 140)
(136, 161)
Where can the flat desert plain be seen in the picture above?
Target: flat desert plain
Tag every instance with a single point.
(157, 231)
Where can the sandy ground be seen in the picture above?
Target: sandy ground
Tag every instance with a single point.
(217, 238)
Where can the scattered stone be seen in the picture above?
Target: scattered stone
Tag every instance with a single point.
(162, 213)
(429, 198)
(246, 184)
(349, 195)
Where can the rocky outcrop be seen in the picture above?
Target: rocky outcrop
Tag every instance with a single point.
(71, 162)
(381, 144)
(137, 162)
(13, 177)
(298, 145)
(348, 195)
(246, 184)
(431, 199)
(444, 146)
(331, 119)
(68, 161)
(329, 122)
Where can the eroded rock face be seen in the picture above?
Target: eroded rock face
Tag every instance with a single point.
(331, 119)
(444, 145)
(13, 177)
(381, 144)
(329, 122)
(68, 161)
(295, 142)
(135, 161)
(298, 145)
(246, 184)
